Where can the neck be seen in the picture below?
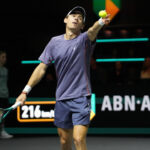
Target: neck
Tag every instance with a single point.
(70, 34)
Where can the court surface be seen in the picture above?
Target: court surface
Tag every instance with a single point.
(93, 143)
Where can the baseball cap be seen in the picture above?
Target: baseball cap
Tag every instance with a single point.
(80, 9)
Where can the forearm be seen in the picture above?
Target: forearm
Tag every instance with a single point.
(93, 31)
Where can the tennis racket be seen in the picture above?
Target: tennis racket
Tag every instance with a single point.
(6, 111)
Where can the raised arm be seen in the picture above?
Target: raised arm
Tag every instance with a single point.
(36, 76)
(93, 31)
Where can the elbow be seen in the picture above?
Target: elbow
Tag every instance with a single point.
(41, 69)
(91, 34)
(93, 38)
(90, 31)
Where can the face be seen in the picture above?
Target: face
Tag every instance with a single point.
(147, 62)
(74, 22)
(3, 58)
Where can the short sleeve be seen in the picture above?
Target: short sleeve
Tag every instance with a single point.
(91, 44)
(46, 56)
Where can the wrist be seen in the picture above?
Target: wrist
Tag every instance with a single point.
(26, 90)
(24, 93)
(101, 22)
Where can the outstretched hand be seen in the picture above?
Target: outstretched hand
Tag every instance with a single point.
(106, 19)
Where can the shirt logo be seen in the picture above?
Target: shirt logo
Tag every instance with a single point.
(74, 48)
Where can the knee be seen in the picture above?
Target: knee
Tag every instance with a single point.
(63, 140)
(79, 140)
(65, 137)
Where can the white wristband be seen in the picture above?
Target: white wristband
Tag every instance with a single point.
(27, 89)
(101, 22)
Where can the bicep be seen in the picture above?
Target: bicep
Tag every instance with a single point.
(42, 66)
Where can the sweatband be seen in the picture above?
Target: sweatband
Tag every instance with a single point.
(27, 89)
(101, 22)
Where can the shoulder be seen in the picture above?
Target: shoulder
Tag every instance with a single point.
(84, 35)
(4, 69)
(54, 40)
(59, 37)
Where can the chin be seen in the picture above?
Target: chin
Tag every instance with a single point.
(75, 29)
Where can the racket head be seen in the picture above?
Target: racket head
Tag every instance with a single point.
(6, 111)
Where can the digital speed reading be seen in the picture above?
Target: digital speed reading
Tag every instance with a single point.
(36, 111)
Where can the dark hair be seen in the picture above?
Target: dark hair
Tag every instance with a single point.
(2, 52)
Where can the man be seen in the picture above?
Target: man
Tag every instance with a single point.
(4, 93)
(71, 53)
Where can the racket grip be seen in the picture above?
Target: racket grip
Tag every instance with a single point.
(16, 105)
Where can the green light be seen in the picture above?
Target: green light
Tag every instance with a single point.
(30, 62)
(97, 60)
(120, 59)
(93, 103)
(122, 40)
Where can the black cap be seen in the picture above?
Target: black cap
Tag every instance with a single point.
(80, 9)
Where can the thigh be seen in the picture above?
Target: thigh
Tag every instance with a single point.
(80, 131)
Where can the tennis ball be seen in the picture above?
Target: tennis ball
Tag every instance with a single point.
(102, 13)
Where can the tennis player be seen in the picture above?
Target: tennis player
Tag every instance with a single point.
(71, 53)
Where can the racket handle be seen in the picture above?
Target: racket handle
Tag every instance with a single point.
(16, 105)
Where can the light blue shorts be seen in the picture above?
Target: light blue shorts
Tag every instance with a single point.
(72, 112)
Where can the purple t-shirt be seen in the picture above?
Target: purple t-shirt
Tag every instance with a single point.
(72, 64)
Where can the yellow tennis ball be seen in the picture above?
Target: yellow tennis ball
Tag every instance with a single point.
(102, 13)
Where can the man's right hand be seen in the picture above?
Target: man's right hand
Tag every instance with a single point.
(22, 98)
